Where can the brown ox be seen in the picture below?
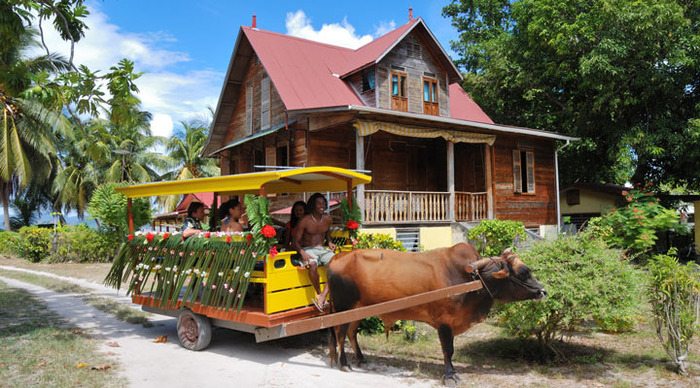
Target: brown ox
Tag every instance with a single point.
(366, 277)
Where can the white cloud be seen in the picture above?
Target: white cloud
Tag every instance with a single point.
(161, 89)
(339, 34)
(384, 27)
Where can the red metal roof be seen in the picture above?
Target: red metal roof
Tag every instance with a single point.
(308, 74)
(206, 198)
(463, 107)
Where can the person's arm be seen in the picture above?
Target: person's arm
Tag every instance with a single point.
(190, 232)
(296, 241)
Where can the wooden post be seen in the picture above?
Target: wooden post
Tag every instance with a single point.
(214, 212)
(130, 216)
(451, 179)
(360, 165)
(488, 151)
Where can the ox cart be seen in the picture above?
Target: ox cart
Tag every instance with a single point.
(239, 281)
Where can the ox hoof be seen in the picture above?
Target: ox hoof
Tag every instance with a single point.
(359, 361)
(345, 368)
(451, 380)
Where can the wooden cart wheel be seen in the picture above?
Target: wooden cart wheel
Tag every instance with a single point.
(193, 330)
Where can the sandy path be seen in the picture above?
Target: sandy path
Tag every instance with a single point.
(233, 358)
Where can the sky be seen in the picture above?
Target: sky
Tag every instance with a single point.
(183, 47)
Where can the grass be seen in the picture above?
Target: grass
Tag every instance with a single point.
(491, 358)
(118, 310)
(39, 350)
(94, 272)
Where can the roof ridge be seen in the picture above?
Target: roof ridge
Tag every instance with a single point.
(299, 38)
(387, 33)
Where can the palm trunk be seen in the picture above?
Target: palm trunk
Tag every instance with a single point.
(5, 198)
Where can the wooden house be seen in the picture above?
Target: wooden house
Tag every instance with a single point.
(393, 107)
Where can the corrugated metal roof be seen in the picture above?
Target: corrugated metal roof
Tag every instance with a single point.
(463, 107)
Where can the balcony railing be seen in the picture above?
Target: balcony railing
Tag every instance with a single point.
(396, 207)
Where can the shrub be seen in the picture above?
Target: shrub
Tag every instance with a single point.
(378, 241)
(9, 243)
(674, 293)
(82, 244)
(35, 243)
(491, 237)
(635, 226)
(586, 280)
(108, 207)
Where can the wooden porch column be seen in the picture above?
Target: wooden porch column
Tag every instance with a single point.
(360, 165)
(488, 151)
(451, 179)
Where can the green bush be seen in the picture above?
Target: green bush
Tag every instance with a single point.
(108, 207)
(586, 281)
(635, 226)
(674, 293)
(491, 237)
(81, 244)
(9, 243)
(378, 241)
(35, 243)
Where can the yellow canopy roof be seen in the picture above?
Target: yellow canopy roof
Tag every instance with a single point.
(308, 179)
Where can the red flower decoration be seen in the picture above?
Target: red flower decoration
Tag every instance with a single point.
(149, 237)
(207, 234)
(268, 231)
(625, 193)
(130, 237)
(228, 239)
(249, 237)
(166, 235)
(273, 252)
(352, 225)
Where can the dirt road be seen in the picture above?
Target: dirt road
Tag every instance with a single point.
(232, 359)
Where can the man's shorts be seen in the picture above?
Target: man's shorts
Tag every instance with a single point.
(321, 255)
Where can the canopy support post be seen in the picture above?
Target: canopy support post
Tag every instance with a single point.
(130, 216)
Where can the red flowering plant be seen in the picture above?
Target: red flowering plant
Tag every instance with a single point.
(352, 217)
(262, 233)
(634, 227)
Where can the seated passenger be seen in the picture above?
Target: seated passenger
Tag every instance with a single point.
(298, 212)
(193, 221)
(309, 237)
(231, 213)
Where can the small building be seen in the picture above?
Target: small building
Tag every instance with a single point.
(580, 202)
(395, 108)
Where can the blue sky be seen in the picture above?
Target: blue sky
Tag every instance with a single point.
(183, 47)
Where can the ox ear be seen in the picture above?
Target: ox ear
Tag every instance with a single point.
(502, 274)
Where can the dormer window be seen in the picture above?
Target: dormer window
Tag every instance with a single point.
(399, 97)
(368, 80)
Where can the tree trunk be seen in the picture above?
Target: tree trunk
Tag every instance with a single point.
(5, 198)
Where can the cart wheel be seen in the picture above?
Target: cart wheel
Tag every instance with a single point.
(193, 330)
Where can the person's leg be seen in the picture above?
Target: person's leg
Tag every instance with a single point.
(313, 275)
(324, 258)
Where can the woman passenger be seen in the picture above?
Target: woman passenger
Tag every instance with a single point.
(298, 212)
(231, 213)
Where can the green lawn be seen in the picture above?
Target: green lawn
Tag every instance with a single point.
(40, 350)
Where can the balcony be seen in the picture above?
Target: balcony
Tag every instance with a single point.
(420, 207)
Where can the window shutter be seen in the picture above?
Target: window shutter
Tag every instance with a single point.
(517, 173)
(530, 156)
(265, 103)
(249, 108)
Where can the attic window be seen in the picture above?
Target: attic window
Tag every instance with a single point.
(368, 79)
(413, 50)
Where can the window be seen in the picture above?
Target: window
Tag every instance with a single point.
(265, 102)
(249, 107)
(573, 197)
(523, 171)
(368, 80)
(398, 84)
(282, 156)
(430, 97)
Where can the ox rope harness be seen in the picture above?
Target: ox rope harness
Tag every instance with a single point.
(512, 278)
(478, 275)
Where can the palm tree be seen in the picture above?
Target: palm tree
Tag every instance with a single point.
(185, 152)
(27, 126)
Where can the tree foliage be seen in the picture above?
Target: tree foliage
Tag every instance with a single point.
(108, 207)
(620, 74)
(491, 237)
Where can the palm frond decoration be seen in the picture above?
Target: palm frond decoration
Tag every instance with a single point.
(352, 217)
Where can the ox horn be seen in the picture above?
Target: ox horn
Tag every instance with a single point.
(477, 265)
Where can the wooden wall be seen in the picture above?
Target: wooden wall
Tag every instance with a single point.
(369, 97)
(415, 67)
(469, 168)
(532, 209)
(332, 147)
(237, 127)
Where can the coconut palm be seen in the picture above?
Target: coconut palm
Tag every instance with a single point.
(27, 126)
(185, 152)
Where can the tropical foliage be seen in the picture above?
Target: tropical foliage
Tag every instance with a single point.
(622, 75)
(109, 208)
(586, 282)
(491, 237)
(674, 292)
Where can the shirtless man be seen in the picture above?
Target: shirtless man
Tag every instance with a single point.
(308, 239)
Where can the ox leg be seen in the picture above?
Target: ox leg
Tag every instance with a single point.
(342, 359)
(332, 346)
(359, 357)
(447, 343)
